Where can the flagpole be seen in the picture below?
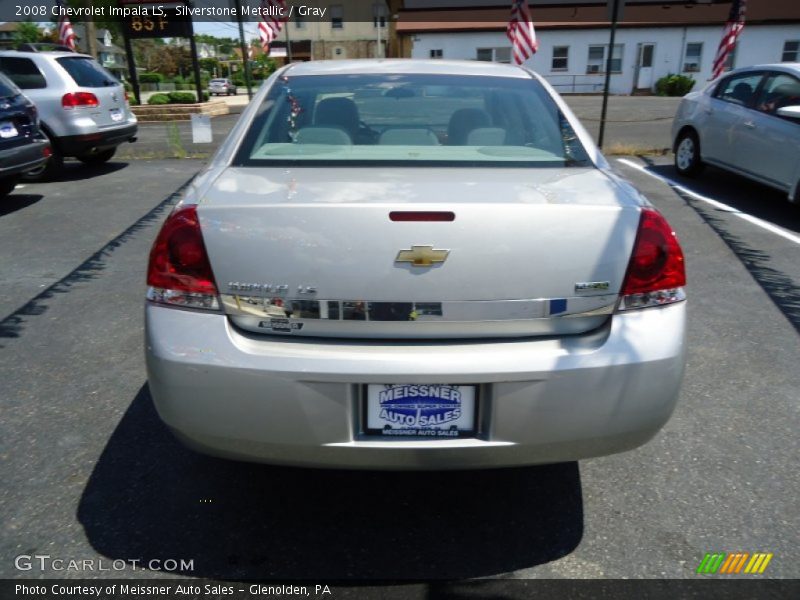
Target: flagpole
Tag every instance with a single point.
(614, 14)
(288, 41)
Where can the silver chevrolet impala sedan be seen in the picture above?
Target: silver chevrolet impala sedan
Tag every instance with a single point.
(413, 265)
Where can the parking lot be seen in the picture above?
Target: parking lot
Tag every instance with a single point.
(90, 472)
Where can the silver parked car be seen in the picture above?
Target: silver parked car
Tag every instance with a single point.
(218, 87)
(419, 265)
(83, 109)
(747, 122)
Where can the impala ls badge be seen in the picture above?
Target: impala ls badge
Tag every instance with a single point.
(422, 256)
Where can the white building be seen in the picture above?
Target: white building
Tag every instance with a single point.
(653, 40)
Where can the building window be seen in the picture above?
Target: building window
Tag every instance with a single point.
(485, 54)
(337, 16)
(791, 51)
(560, 58)
(299, 22)
(501, 55)
(596, 62)
(437, 53)
(693, 57)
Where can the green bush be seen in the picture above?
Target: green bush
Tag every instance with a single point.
(205, 95)
(181, 98)
(151, 78)
(674, 85)
(158, 99)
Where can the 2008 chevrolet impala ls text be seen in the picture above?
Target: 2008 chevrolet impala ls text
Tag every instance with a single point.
(413, 265)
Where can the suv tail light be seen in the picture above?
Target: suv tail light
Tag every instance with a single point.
(179, 273)
(656, 274)
(79, 99)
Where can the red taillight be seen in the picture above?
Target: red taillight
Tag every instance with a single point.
(79, 99)
(127, 98)
(179, 272)
(656, 273)
(421, 215)
(47, 152)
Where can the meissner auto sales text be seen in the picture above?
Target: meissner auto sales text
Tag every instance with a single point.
(34, 10)
(126, 589)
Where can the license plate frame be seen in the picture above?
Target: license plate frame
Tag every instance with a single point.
(428, 414)
(116, 115)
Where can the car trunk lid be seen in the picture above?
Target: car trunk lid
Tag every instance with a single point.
(316, 251)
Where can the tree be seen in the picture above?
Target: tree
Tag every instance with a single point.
(27, 33)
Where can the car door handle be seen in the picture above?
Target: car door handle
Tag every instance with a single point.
(749, 124)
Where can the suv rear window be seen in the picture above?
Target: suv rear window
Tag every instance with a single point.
(86, 72)
(23, 72)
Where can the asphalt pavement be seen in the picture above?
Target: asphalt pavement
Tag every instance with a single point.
(89, 471)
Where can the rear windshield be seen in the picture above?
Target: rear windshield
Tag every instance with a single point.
(219, 81)
(410, 119)
(86, 72)
(7, 89)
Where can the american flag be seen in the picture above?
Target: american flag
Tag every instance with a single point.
(733, 27)
(66, 36)
(272, 21)
(520, 32)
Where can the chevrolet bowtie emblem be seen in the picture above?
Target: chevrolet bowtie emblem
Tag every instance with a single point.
(422, 256)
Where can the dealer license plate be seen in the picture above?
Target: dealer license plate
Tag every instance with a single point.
(116, 114)
(429, 411)
(7, 130)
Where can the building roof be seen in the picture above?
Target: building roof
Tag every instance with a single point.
(589, 16)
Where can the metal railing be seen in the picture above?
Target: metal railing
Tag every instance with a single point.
(576, 84)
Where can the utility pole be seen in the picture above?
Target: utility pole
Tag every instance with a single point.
(243, 50)
(91, 34)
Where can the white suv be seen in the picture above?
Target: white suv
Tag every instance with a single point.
(83, 108)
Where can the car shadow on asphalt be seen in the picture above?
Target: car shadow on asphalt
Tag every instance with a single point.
(149, 498)
(14, 202)
(756, 200)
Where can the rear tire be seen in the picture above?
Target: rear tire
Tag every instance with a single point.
(51, 168)
(98, 158)
(687, 154)
(7, 186)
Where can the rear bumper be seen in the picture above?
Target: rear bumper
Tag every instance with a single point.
(74, 145)
(22, 158)
(296, 402)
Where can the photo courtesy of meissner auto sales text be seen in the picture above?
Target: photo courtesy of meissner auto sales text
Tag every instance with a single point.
(399, 299)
